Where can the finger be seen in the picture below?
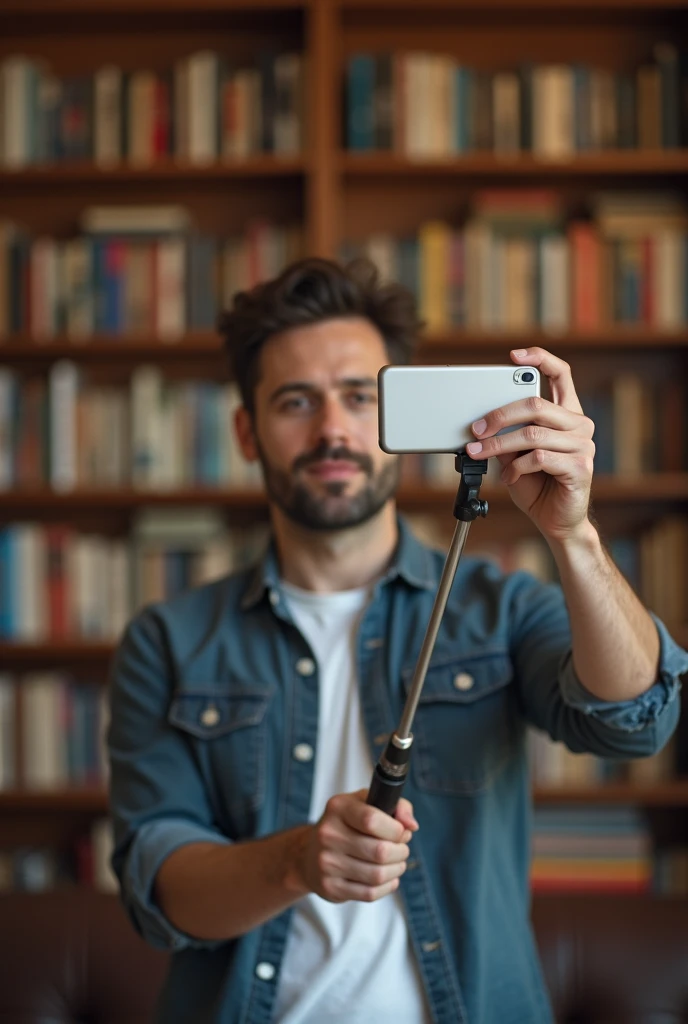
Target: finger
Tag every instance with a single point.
(353, 870)
(535, 409)
(563, 466)
(339, 890)
(375, 851)
(404, 814)
(371, 821)
(557, 371)
(532, 436)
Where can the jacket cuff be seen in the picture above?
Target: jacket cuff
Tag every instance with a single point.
(630, 715)
(154, 842)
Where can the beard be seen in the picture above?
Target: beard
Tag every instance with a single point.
(335, 509)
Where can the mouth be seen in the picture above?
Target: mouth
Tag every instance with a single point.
(333, 469)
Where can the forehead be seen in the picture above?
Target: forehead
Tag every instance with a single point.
(323, 352)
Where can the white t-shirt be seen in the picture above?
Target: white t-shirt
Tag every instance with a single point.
(351, 961)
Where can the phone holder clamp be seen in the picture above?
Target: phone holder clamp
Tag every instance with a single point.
(468, 505)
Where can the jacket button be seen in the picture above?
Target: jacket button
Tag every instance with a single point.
(265, 971)
(305, 666)
(303, 752)
(463, 681)
(210, 715)
(274, 597)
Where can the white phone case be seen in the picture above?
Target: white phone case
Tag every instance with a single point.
(431, 408)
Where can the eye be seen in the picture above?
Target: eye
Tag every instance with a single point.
(296, 403)
(361, 398)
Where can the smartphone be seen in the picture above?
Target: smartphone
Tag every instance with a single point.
(431, 408)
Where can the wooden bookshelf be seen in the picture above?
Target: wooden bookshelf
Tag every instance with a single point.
(651, 163)
(94, 800)
(657, 487)
(24, 349)
(337, 196)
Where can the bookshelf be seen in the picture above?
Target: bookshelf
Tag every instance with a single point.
(337, 196)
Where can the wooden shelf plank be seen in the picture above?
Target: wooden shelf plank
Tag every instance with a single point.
(55, 652)
(627, 162)
(195, 344)
(86, 172)
(161, 7)
(19, 349)
(656, 487)
(95, 801)
(673, 793)
(90, 800)
(516, 5)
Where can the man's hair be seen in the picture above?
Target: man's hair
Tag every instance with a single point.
(308, 292)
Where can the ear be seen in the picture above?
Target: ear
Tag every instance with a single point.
(243, 427)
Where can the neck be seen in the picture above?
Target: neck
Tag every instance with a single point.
(329, 561)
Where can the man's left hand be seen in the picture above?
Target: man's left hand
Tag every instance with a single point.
(548, 464)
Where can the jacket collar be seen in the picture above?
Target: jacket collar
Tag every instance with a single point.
(413, 562)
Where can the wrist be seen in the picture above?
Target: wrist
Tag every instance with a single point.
(294, 861)
(582, 543)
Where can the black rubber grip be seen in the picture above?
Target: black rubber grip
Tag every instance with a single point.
(384, 792)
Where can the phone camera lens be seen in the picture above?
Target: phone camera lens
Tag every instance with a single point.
(527, 376)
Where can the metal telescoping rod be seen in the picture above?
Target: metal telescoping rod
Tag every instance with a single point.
(391, 770)
(448, 573)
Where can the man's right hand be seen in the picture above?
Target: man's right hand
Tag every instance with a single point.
(356, 851)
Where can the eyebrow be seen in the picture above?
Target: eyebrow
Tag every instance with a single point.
(302, 385)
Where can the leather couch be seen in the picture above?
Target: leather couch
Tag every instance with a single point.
(72, 956)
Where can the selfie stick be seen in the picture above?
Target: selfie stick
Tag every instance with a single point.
(392, 767)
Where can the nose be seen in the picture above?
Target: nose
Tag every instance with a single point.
(333, 422)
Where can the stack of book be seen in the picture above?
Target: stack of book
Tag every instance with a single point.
(155, 434)
(595, 849)
(61, 731)
(57, 583)
(39, 868)
(202, 110)
(430, 105)
(141, 270)
(518, 263)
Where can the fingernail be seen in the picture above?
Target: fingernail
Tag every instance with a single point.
(474, 448)
(479, 426)
(520, 352)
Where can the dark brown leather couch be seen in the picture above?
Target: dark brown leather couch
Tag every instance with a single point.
(71, 956)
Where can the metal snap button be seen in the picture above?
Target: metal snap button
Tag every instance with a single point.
(265, 971)
(303, 752)
(463, 681)
(210, 716)
(305, 666)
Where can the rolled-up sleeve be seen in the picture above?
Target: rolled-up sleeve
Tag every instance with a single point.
(650, 708)
(554, 698)
(157, 798)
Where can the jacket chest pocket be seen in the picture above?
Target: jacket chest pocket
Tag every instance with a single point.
(464, 727)
(227, 725)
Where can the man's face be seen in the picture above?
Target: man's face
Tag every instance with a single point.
(315, 428)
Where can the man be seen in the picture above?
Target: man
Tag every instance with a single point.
(247, 714)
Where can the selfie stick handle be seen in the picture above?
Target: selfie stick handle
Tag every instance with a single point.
(392, 767)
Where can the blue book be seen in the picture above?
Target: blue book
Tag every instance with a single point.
(360, 93)
(202, 301)
(6, 583)
(464, 109)
(581, 107)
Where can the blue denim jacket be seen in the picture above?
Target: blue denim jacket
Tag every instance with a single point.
(212, 692)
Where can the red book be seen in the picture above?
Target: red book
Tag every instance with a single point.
(161, 118)
(585, 250)
(57, 537)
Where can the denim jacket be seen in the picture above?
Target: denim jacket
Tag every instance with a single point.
(212, 693)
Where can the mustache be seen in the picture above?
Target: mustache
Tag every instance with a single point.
(326, 453)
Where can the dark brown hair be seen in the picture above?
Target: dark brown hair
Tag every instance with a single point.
(308, 292)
